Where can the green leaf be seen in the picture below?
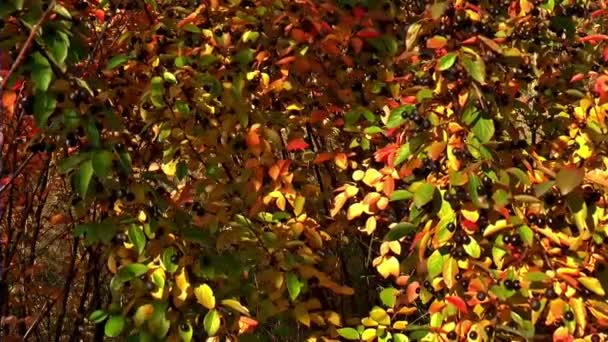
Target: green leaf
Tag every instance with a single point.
(470, 114)
(98, 316)
(131, 271)
(400, 195)
(62, 11)
(137, 237)
(102, 163)
(388, 297)
(42, 74)
(447, 61)
(569, 178)
(424, 94)
(501, 198)
(399, 230)
(520, 175)
(83, 177)
(476, 68)
(424, 194)
(483, 128)
(436, 320)
(402, 153)
(169, 77)
(114, 326)
(579, 210)
(400, 338)
(44, 106)
(435, 264)
(117, 61)
(473, 184)
(396, 117)
(294, 286)
(58, 43)
(167, 254)
(349, 334)
(473, 249)
(526, 234)
(537, 277)
(211, 322)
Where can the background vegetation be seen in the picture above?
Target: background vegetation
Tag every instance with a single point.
(267, 170)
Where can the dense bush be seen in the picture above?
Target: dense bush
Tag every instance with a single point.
(370, 170)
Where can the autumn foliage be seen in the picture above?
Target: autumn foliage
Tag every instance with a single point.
(305, 170)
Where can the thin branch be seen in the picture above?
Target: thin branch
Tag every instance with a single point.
(27, 44)
(45, 310)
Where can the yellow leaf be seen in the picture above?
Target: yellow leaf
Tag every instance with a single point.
(339, 202)
(592, 284)
(358, 175)
(395, 246)
(388, 267)
(470, 213)
(236, 306)
(351, 191)
(142, 314)
(370, 225)
(372, 176)
(334, 318)
(354, 211)
(204, 296)
(301, 314)
(379, 315)
(341, 161)
(368, 334)
(579, 313)
(400, 325)
(181, 280)
(368, 322)
(142, 216)
(281, 202)
(169, 168)
(295, 107)
(298, 206)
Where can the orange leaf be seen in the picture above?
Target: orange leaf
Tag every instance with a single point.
(8, 101)
(323, 157)
(436, 42)
(412, 292)
(357, 44)
(300, 36)
(436, 307)
(285, 60)
(253, 138)
(458, 303)
(471, 40)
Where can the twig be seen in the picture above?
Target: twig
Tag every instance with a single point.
(16, 174)
(45, 310)
(27, 44)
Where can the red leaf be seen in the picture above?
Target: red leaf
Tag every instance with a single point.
(470, 225)
(577, 78)
(368, 33)
(606, 54)
(601, 87)
(297, 144)
(387, 154)
(458, 303)
(100, 15)
(358, 12)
